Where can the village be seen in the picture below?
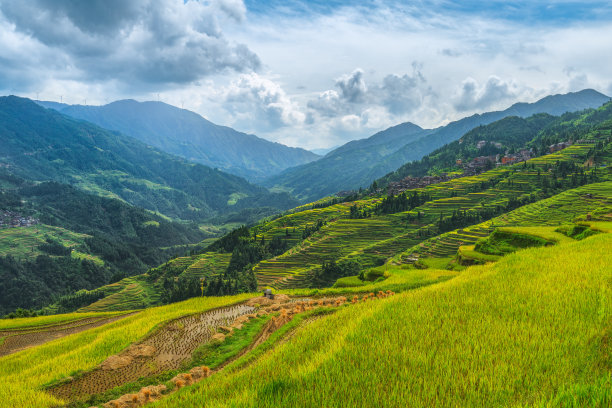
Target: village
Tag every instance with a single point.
(11, 219)
(472, 167)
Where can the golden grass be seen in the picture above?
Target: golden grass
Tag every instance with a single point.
(533, 329)
(23, 374)
(37, 322)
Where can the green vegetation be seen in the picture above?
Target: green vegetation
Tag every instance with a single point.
(41, 144)
(548, 214)
(503, 241)
(189, 135)
(82, 242)
(502, 279)
(358, 163)
(23, 374)
(531, 329)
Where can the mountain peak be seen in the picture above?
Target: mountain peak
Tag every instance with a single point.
(189, 135)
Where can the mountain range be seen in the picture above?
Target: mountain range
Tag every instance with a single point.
(190, 136)
(358, 163)
(43, 145)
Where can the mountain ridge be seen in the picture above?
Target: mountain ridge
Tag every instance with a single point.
(363, 161)
(43, 144)
(189, 135)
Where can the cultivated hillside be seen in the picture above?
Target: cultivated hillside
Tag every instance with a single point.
(358, 163)
(56, 239)
(313, 245)
(490, 289)
(189, 135)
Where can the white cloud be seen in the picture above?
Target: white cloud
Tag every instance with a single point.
(352, 86)
(142, 44)
(258, 103)
(308, 90)
(473, 96)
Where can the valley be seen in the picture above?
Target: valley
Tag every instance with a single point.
(490, 285)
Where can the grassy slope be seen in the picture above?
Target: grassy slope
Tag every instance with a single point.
(23, 374)
(139, 291)
(532, 329)
(377, 238)
(559, 209)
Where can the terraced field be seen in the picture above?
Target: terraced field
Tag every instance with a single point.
(376, 239)
(292, 225)
(531, 327)
(164, 350)
(332, 242)
(24, 242)
(554, 211)
(127, 294)
(139, 292)
(18, 339)
(207, 265)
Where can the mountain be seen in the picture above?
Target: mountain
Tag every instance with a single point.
(189, 135)
(357, 163)
(42, 144)
(75, 240)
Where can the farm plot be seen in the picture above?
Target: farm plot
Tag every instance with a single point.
(333, 242)
(207, 265)
(132, 294)
(24, 242)
(553, 211)
(19, 339)
(163, 350)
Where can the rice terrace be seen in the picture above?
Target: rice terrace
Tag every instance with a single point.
(232, 203)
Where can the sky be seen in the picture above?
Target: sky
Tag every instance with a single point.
(313, 74)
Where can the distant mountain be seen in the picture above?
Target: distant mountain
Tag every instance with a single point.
(189, 135)
(358, 163)
(42, 144)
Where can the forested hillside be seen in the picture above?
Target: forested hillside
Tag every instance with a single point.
(77, 241)
(189, 135)
(41, 144)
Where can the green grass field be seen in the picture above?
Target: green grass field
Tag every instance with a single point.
(530, 330)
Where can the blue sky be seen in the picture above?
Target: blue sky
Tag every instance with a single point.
(307, 73)
(527, 12)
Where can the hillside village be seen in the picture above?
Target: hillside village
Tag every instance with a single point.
(473, 167)
(11, 219)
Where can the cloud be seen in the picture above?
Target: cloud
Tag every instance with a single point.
(233, 8)
(258, 103)
(473, 96)
(137, 43)
(448, 52)
(394, 96)
(327, 104)
(404, 94)
(353, 87)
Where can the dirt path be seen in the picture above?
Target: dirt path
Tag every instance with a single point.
(21, 339)
(164, 350)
